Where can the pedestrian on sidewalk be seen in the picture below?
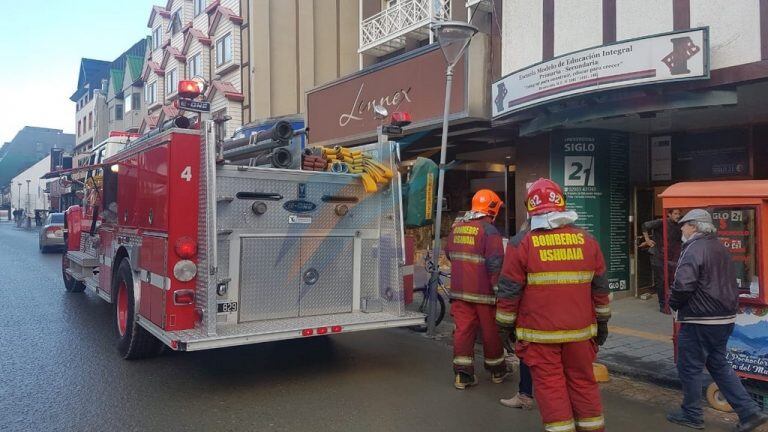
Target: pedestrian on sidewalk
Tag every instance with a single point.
(553, 293)
(653, 233)
(704, 297)
(524, 397)
(476, 253)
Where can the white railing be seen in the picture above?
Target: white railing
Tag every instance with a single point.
(402, 18)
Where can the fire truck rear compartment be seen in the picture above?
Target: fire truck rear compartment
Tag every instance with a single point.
(295, 263)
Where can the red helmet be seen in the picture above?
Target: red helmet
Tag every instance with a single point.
(486, 202)
(544, 196)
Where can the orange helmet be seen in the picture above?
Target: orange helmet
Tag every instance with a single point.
(544, 196)
(486, 202)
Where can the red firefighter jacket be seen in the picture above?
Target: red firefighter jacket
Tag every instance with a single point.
(476, 253)
(553, 286)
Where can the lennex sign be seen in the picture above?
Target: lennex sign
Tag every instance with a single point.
(675, 56)
(342, 111)
(362, 108)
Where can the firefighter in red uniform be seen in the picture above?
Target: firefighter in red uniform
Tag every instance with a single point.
(553, 296)
(476, 254)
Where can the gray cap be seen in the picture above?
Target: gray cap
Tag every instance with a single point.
(696, 215)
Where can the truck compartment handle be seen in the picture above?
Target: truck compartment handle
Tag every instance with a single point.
(259, 195)
(339, 199)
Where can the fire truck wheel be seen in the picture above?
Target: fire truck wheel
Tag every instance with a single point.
(716, 399)
(70, 284)
(133, 341)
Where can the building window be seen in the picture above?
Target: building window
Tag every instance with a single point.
(175, 24)
(194, 67)
(150, 92)
(199, 7)
(171, 82)
(132, 102)
(118, 112)
(224, 49)
(157, 37)
(78, 128)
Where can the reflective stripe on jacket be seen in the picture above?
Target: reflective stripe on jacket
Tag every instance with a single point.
(553, 287)
(476, 253)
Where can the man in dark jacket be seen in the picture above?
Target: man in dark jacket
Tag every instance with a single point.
(653, 234)
(705, 297)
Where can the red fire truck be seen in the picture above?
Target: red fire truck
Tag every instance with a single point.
(195, 252)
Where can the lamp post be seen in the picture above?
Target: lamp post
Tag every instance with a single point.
(453, 37)
(19, 206)
(28, 203)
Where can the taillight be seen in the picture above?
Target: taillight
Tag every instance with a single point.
(183, 297)
(322, 330)
(307, 332)
(186, 248)
(336, 329)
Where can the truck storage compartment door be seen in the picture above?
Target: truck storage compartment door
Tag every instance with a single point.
(326, 275)
(269, 278)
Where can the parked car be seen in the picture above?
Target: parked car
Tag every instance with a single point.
(52, 234)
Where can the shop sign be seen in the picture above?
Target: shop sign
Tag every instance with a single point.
(343, 110)
(747, 348)
(675, 56)
(592, 167)
(719, 154)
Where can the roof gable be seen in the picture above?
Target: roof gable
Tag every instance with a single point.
(152, 66)
(116, 82)
(194, 33)
(157, 11)
(90, 76)
(133, 68)
(224, 13)
(227, 89)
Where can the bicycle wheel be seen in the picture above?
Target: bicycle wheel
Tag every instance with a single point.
(420, 299)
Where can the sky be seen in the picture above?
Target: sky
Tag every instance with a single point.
(41, 44)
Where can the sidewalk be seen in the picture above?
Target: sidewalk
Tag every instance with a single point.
(639, 344)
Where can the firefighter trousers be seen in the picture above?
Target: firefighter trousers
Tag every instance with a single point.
(468, 317)
(564, 384)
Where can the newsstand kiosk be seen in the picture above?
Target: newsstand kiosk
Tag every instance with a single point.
(740, 212)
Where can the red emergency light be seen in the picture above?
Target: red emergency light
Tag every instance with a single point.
(190, 89)
(400, 118)
(186, 248)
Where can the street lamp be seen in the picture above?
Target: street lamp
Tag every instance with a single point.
(28, 203)
(453, 37)
(19, 206)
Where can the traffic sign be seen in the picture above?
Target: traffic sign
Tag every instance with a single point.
(193, 105)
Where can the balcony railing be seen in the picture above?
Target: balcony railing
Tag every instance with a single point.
(387, 30)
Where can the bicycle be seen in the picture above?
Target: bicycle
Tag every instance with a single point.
(421, 297)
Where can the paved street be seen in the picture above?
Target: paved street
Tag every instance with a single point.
(59, 370)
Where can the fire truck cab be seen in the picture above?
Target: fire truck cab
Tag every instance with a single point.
(198, 253)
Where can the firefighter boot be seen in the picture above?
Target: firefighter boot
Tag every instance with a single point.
(464, 380)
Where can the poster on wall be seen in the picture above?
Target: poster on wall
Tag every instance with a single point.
(593, 167)
(747, 348)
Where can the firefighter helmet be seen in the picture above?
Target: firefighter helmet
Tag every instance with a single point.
(486, 202)
(544, 196)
